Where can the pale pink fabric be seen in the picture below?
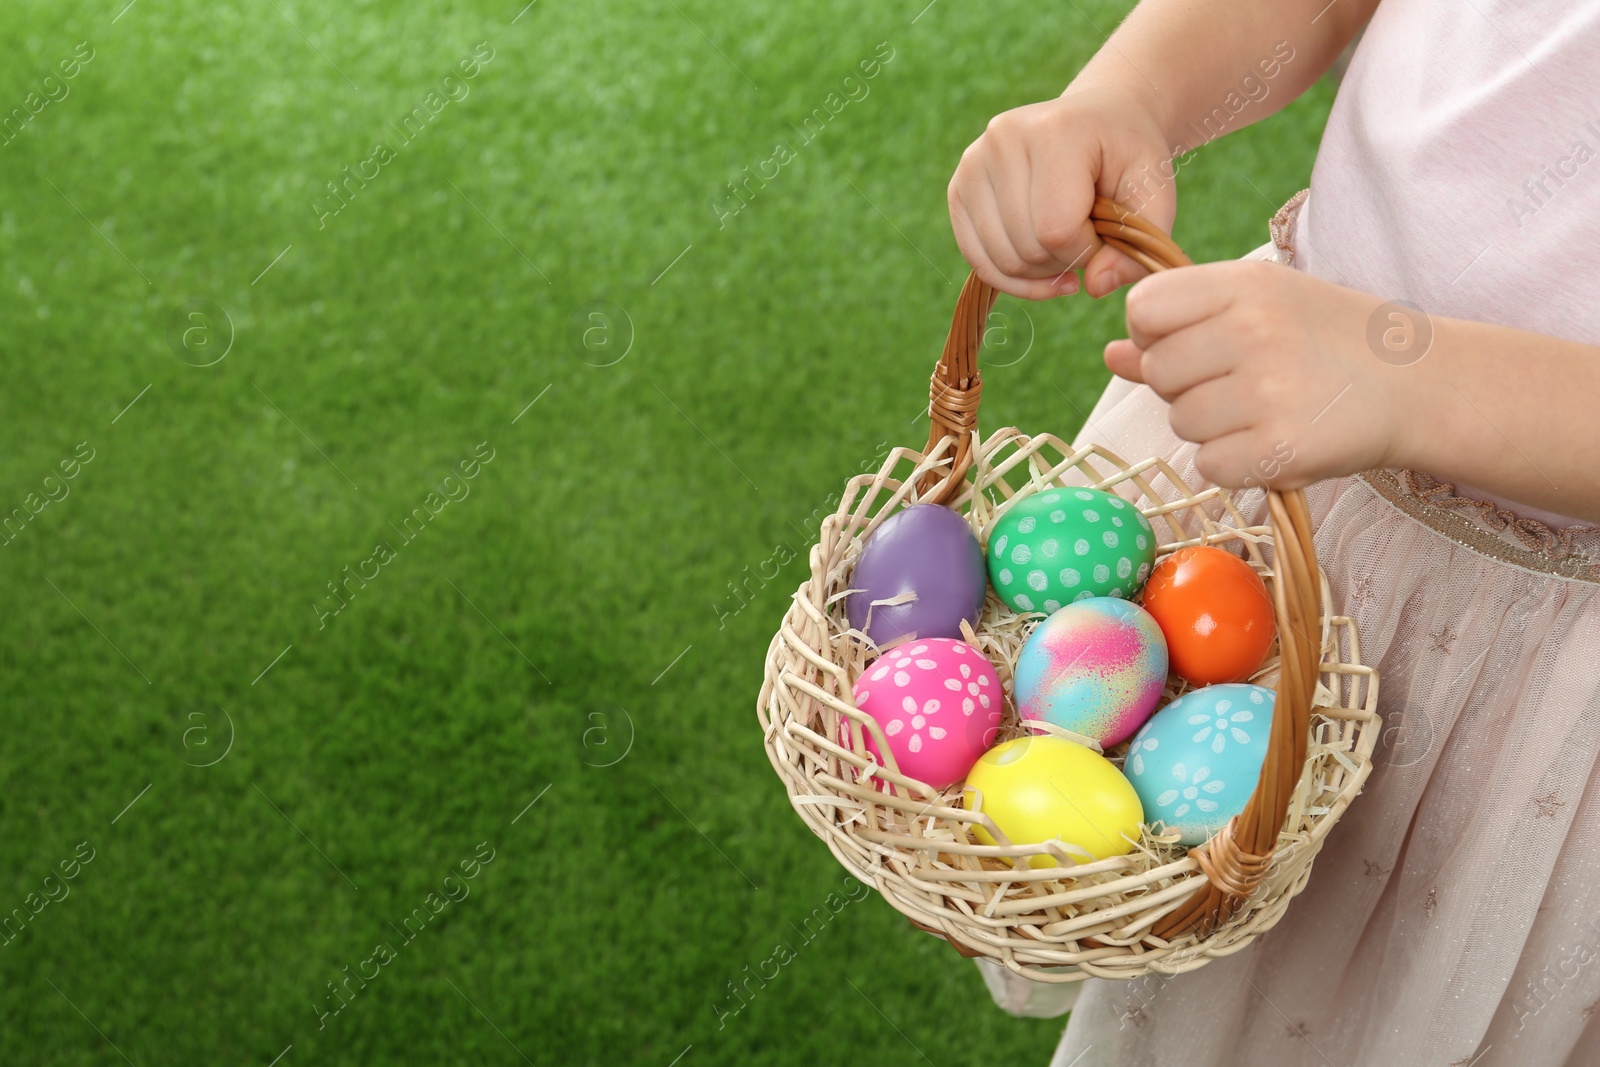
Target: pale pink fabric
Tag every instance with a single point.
(1456, 907)
(1454, 915)
(1460, 169)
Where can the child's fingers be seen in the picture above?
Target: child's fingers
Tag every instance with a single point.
(1234, 462)
(1171, 300)
(975, 217)
(1124, 359)
(1183, 360)
(1175, 365)
(1109, 270)
(973, 248)
(1009, 180)
(1209, 411)
(969, 240)
(1060, 210)
(977, 197)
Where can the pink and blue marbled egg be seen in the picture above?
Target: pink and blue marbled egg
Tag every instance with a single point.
(1095, 667)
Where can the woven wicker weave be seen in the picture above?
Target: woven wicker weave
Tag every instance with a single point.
(1162, 908)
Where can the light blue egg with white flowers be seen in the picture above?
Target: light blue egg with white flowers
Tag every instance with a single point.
(1195, 763)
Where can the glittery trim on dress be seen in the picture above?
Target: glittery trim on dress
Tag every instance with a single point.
(1282, 225)
(1486, 528)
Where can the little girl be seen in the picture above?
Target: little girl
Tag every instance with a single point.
(1438, 325)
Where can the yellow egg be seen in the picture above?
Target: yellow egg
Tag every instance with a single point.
(1040, 788)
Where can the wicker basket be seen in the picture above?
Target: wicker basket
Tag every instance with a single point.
(1162, 908)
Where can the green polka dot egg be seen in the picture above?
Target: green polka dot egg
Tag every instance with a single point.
(1060, 545)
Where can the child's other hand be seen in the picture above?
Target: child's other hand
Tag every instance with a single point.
(1267, 369)
(1020, 198)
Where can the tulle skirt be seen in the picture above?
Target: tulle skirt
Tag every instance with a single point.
(1453, 916)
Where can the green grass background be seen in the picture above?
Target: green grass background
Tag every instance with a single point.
(522, 638)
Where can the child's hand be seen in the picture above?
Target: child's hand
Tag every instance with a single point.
(1267, 369)
(1020, 198)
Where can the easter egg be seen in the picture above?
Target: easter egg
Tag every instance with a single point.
(1062, 545)
(1215, 611)
(926, 553)
(1096, 668)
(939, 703)
(1197, 760)
(1036, 789)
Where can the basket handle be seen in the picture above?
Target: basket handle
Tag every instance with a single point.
(1235, 860)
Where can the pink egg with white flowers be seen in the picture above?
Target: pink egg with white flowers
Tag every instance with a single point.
(939, 703)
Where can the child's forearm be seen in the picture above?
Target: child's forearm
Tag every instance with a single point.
(1508, 411)
(1208, 67)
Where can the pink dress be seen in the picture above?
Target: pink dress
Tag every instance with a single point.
(1454, 915)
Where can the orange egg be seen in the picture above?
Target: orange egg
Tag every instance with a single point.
(1215, 613)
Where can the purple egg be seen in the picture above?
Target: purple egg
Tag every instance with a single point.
(929, 550)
